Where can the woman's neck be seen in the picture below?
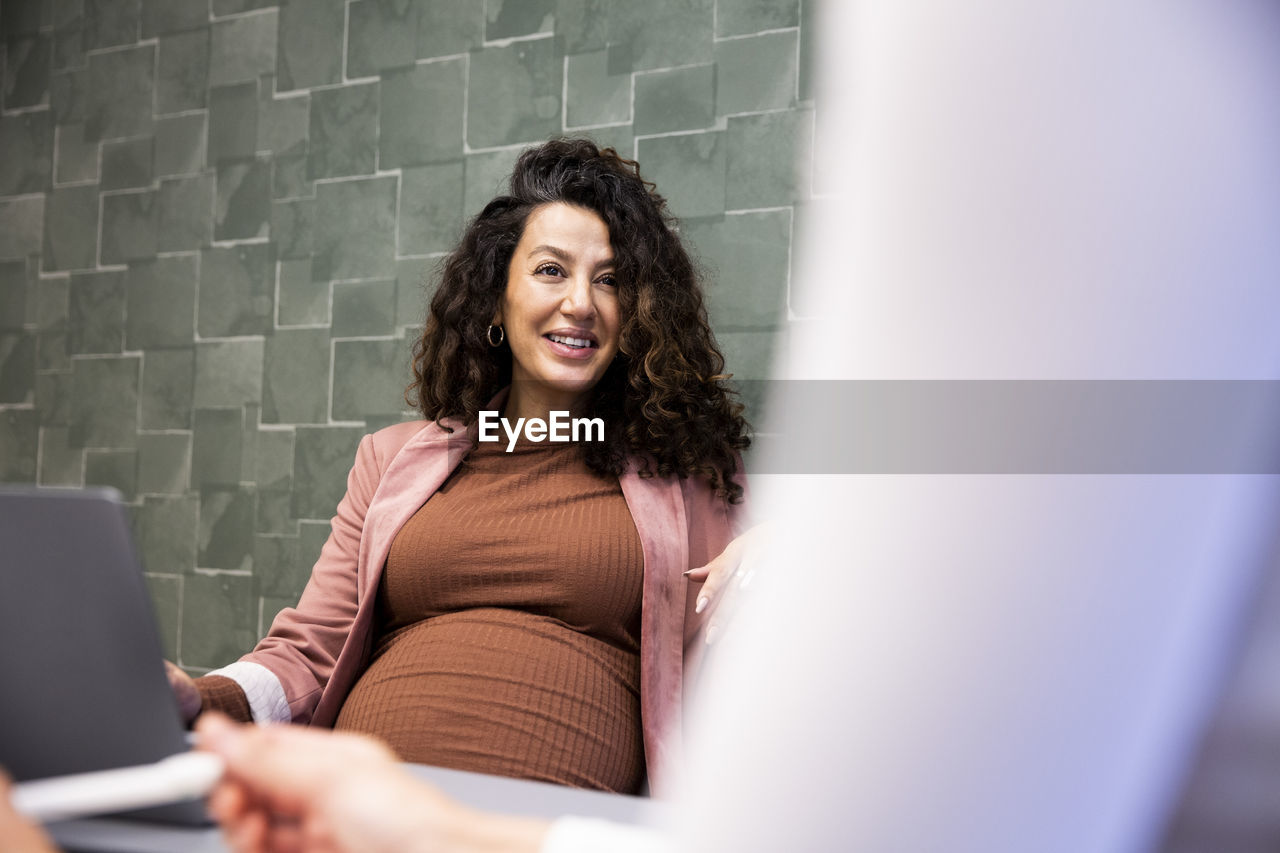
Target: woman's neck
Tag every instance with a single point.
(525, 402)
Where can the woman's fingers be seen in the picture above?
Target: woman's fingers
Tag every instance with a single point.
(715, 575)
(724, 577)
(184, 690)
(719, 572)
(729, 599)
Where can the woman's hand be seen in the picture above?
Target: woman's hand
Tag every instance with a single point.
(289, 788)
(725, 577)
(184, 690)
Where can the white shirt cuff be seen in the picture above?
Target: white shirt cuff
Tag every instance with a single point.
(571, 834)
(261, 688)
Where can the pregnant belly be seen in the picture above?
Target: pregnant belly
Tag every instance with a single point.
(505, 692)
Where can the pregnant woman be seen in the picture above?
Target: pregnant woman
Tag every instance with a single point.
(524, 609)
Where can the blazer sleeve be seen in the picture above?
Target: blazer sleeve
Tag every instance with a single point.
(304, 641)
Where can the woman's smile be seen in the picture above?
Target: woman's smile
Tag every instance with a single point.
(572, 343)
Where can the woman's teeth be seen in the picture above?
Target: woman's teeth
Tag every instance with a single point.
(580, 343)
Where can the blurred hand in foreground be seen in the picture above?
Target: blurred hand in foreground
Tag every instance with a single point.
(289, 788)
(17, 834)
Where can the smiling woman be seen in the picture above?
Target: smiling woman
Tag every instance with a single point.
(560, 309)
(528, 611)
(663, 394)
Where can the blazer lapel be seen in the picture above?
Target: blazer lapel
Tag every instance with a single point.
(414, 474)
(657, 508)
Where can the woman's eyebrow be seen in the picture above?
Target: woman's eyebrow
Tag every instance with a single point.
(567, 256)
(552, 250)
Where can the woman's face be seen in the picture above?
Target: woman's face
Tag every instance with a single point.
(560, 309)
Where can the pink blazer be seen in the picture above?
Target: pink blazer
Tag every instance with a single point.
(318, 649)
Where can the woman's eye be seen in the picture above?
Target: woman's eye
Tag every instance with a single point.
(548, 269)
(609, 280)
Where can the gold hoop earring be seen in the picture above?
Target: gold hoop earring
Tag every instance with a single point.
(502, 336)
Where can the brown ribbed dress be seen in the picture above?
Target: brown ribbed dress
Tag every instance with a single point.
(509, 625)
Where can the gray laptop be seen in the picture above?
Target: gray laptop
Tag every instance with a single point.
(80, 656)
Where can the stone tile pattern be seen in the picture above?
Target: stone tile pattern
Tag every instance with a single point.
(219, 222)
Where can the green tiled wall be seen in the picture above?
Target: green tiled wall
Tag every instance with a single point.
(219, 220)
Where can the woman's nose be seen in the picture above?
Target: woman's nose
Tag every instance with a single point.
(579, 300)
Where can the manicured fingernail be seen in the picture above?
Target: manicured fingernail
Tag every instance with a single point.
(686, 571)
(702, 604)
(712, 632)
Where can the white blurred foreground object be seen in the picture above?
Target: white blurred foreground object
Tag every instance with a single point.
(186, 776)
(1044, 191)
(1030, 191)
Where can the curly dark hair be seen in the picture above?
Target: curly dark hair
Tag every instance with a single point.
(664, 399)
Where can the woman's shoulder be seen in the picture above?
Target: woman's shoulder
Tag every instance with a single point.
(382, 446)
(385, 443)
(399, 434)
